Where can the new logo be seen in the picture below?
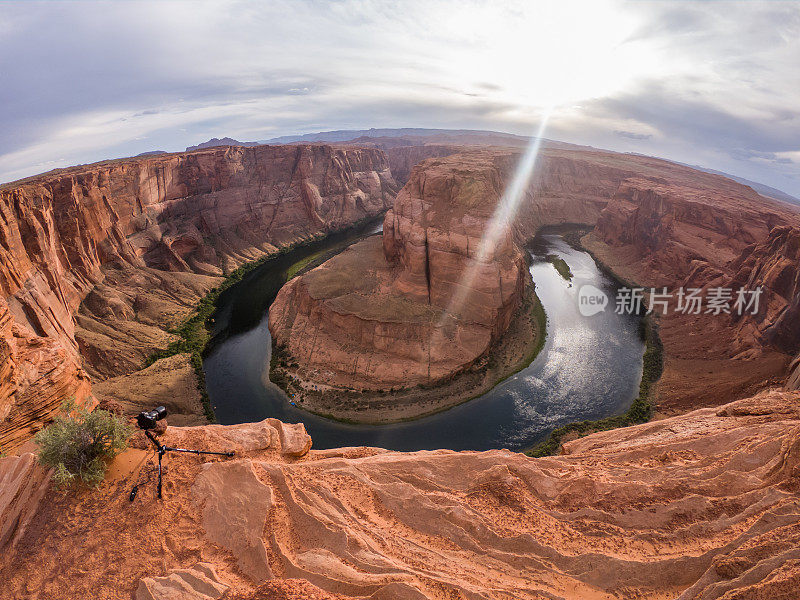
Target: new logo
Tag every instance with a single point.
(591, 300)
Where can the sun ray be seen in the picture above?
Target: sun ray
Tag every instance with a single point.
(501, 220)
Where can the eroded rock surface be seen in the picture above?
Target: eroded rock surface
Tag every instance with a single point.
(699, 506)
(199, 582)
(709, 233)
(389, 312)
(37, 374)
(22, 485)
(98, 260)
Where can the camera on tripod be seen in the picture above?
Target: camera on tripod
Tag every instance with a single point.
(147, 418)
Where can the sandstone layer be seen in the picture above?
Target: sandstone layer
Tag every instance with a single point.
(98, 260)
(699, 506)
(655, 224)
(390, 312)
(686, 233)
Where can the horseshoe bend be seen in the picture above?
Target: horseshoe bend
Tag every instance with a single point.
(100, 263)
(393, 312)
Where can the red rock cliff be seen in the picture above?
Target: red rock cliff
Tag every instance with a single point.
(130, 245)
(386, 313)
(676, 229)
(703, 506)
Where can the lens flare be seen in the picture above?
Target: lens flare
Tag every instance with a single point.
(501, 220)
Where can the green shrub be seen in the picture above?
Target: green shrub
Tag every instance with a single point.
(78, 444)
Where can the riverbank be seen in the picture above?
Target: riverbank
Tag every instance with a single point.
(516, 349)
(640, 411)
(195, 332)
(642, 408)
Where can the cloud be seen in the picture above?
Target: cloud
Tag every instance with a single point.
(704, 83)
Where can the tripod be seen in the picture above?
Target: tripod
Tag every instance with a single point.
(162, 450)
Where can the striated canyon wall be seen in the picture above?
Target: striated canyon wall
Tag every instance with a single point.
(99, 260)
(654, 223)
(679, 230)
(37, 374)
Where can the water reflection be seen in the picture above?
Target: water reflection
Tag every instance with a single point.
(589, 368)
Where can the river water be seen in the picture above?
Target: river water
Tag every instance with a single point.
(589, 367)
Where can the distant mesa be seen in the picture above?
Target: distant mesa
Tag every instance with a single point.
(385, 138)
(763, 189)
(151, 153)
(226, 141)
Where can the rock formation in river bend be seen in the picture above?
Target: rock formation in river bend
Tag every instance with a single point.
(98, 260)
(655, 223)
(382, 313)
(703, 506)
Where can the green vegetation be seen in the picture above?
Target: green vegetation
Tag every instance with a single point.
(536, 310)
(640, 411)
(561, 266)
(540, 316)
(194, 332)
(79, 444)
(301, 264)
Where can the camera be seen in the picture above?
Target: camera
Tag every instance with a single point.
(147, 418)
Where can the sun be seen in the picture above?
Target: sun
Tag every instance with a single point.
(545, 54)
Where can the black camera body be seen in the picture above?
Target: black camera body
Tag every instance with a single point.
(147, 418)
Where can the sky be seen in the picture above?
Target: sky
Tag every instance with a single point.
(713, 83)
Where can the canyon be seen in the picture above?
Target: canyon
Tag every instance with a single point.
(100, 261)
(387, 316)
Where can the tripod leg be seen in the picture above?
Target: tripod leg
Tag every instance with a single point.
(159, 474)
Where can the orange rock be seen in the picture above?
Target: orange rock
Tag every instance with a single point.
(98, 260)
(703, 505)
(22, 485)
(197, 583)
(390, 312)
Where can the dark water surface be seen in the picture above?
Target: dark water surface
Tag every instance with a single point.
(589, 368)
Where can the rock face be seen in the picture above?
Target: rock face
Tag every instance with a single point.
(367, 320)
(793, 381)
(402, 159)
(774, 264)
(22, 485)
(700, 506)
(197, 583)
(391, 312)
(37, 374)
(708, 232)
(98, 260)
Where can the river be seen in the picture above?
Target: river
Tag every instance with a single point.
(589, 367)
